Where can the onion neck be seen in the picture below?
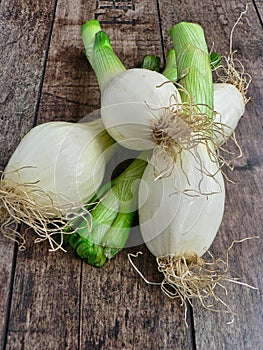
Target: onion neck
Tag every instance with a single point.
(170, 70)
(193, 65)
(100, 54)
(151, 62)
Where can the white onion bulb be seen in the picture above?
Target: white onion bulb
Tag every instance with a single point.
(66, 160)
(131, 101)
(180, 214)
(229, 107)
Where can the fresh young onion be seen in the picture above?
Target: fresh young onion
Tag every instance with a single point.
(180, 214)
(55, 169)
(135, 103)
(181, 203)
(179, 217)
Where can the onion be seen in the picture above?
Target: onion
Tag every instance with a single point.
(181, 213)
(179, 217)
(55, 169)
(135, 103)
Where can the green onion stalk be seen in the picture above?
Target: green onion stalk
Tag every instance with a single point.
(99, 52)
(193, 66)
(151, 62)
(103, 232)
(170, 70)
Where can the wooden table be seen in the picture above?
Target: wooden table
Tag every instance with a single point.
(54, 300)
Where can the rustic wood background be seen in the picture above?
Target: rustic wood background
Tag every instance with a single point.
(54, 300)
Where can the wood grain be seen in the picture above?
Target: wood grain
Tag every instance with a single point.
(45, 303)
(59, 302)
(6, 260)
(244, 204)
(23, 40)
(123, 312)
(24, 28)
(7, 251)
(259, 7)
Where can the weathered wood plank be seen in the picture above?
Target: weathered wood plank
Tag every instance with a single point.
(32, 306)
(120, 311)
(7, 251)
(45, 303)
(6, 259)
(259, 6)
(244, 204)
(24, 28)
(243, 221)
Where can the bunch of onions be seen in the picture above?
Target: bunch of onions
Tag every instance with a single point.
(182, 117)
(142, 108)
(182, 193)
(55, 169)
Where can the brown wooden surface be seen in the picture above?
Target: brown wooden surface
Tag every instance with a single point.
(259, 7)
(55, 301)
(24, 34)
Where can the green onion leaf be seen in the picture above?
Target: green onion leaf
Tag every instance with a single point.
(170, 70)
(99, 52)
(192, 57)
(151, 62)
(215, 60)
